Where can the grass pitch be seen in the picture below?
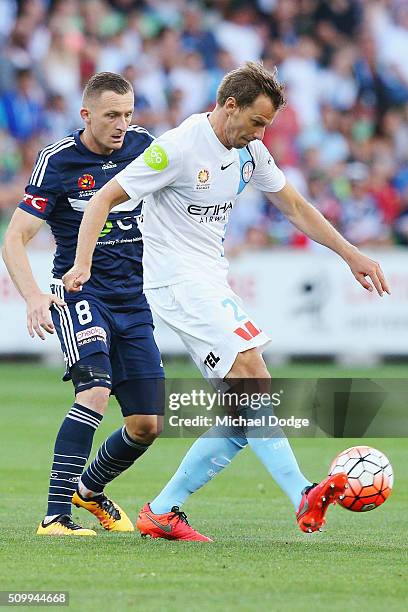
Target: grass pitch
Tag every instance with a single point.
(259, 561)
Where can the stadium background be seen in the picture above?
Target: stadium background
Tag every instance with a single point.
(343, 142)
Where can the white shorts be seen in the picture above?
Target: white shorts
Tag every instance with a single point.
(211, 321)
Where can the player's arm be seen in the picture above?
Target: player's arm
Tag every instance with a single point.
(312, 223)
(22, 228)
(92, 223)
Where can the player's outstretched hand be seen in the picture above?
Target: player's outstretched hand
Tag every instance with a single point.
(75, 278)
(38, 314)
(363, 267)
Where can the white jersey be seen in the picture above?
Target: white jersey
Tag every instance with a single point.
(194, 181)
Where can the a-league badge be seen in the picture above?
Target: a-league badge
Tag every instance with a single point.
(247, 170)
(86, 181)
(203, 180)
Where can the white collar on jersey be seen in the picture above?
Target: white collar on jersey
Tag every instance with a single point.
(213, 137)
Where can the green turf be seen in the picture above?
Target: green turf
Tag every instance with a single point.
(259, 561)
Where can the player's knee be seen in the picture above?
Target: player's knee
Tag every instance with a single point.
(249, 364)
(144, 428)
(92, 375)
(96, 398)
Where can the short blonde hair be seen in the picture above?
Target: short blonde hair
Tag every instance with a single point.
(106, 81)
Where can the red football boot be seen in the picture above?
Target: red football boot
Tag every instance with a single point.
(317, 498)
(172, 525)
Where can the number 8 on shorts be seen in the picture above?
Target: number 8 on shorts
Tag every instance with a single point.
(83, 312)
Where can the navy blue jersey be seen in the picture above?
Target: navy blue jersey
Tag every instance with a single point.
(65, 176)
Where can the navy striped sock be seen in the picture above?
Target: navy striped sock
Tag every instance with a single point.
(71, 452)
(115, 456)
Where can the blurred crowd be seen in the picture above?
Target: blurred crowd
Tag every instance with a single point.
(342, 138)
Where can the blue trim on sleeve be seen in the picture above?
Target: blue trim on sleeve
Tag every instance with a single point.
(246, 168)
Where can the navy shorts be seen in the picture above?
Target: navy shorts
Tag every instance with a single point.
(123, 332)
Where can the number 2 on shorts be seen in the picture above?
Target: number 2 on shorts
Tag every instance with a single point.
(238, 317)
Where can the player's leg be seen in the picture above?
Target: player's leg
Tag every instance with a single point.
(210, 454)
(84, 340)
(139, 388)
(215, 450)
(121, 450)
(206, 458)
(272, 447)
(235, 341)
(74, 441)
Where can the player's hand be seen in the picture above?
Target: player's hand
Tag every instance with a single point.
(38, 314)
(363, 268)
(75, 278)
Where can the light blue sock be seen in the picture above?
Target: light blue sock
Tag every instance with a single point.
(273, 449)
(205, 459)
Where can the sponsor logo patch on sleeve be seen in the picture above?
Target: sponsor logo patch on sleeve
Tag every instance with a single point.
(37, 202)
(156, 157)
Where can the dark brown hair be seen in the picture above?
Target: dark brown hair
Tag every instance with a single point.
(246, 83)
(106, 81)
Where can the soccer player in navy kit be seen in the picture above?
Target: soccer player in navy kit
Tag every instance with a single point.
(106, 331)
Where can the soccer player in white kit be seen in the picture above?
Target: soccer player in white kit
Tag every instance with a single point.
(195, 173)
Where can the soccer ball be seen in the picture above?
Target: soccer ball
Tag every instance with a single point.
(370, 477)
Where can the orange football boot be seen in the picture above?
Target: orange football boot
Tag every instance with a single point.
(109, 514)
(172, 525)
(317, 498)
